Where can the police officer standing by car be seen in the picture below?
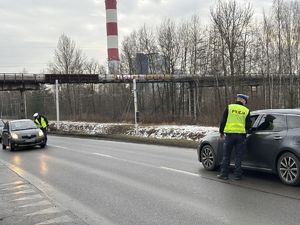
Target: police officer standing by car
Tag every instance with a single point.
(42, 123)
(234, 126)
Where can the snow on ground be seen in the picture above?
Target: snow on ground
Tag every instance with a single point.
(194, 133)
(186, 132)
(90, 128)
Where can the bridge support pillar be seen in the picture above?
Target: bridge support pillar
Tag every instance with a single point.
(191, 99)
(23, 110)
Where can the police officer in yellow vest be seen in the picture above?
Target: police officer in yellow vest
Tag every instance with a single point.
(235, 124)
(42, 123)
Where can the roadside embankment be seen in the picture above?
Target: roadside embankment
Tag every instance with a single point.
(173, 135)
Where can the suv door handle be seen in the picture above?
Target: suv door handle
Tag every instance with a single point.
(277, 138)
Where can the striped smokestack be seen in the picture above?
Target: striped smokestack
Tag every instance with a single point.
(112, 36)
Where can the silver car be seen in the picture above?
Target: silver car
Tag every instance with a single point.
(1, 129)
(22, 133)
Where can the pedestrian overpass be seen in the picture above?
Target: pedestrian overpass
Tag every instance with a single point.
(27, 81)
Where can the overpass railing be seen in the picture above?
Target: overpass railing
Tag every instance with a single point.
(17, 77)
(208, 80)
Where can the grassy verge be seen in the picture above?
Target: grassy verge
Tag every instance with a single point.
(133, 139)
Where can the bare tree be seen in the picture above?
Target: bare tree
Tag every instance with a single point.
(148, 46)
(68, 58)
(168, 45)
(231, 21)
(129, 51)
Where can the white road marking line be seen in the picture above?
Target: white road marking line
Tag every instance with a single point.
(58, 220)
(13, 183)
(41, 203)
(125, 160)
(16, 187)
(21, 192)
(56, 146)
(87, 153)
(107, 156)
(84, 212)
(28, 198)
(180, 171)
(70, 149)
(135, 162)
(45, 211)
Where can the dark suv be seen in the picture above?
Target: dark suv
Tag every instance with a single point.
(273, 145)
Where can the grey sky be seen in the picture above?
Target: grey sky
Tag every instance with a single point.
(30, 28)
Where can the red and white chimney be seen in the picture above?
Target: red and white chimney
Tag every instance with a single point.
(112, 36)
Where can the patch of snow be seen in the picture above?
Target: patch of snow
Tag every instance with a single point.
(194, 133)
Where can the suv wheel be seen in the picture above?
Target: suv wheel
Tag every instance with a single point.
(208, 157)
(288, 169)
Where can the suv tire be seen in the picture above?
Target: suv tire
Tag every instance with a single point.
(208, 157)
(288, 169)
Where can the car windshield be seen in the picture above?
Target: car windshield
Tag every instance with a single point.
(23, 125)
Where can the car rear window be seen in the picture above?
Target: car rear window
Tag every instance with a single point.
(293, 122)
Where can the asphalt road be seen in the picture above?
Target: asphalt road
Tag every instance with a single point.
(107, 182)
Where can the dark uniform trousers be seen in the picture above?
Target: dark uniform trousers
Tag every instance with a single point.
(45, 133)
(238, 142)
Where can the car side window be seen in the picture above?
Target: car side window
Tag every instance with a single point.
(293, 122)
(272, 122)
(6, 126)
(253, 119)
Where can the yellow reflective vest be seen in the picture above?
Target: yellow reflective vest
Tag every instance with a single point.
(41, 124)
(236, 119)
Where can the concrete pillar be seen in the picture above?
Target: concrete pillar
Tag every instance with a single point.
(191, 99)
(22, 105)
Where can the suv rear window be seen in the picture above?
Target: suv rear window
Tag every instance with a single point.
(293, 122)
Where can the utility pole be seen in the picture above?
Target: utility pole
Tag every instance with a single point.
(57, 104)
(136, 113)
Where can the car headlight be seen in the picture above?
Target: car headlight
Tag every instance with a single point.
(14, 136)
(41, 133)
